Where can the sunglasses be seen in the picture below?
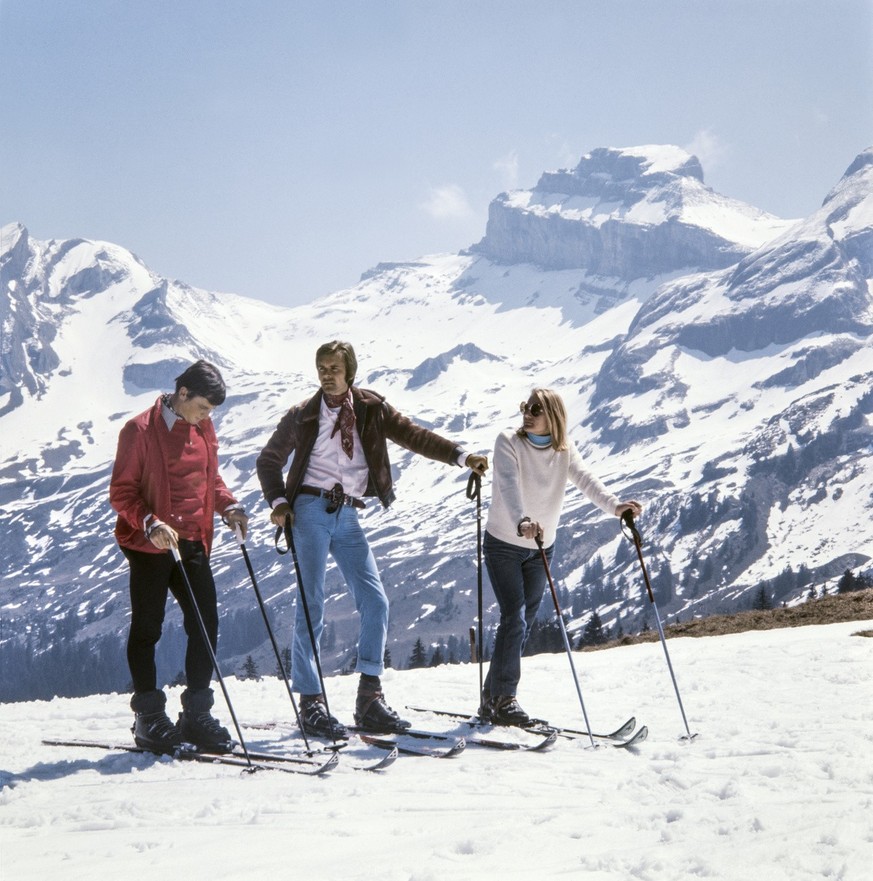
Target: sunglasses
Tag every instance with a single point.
(534, 409)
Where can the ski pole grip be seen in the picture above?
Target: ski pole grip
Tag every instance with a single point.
(237, 531)
(176, 555)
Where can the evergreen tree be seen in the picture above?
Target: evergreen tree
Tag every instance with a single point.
(593, 633)
(418, 658)
(250, 669)
(285, 655)
(847, 582)
(437, 658)
(761, 600)
(454, 650)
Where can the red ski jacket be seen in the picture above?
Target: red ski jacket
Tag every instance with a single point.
(140, 484)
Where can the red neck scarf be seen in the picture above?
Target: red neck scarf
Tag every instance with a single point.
(345, 420)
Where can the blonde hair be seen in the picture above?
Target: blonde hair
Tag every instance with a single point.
(556, 417)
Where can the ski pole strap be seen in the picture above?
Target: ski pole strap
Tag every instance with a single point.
(286, 531)
(629, 529)
(474, 486)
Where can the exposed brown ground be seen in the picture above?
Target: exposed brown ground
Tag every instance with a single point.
(855, 606)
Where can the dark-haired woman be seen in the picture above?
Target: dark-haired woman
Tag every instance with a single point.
(532, 467)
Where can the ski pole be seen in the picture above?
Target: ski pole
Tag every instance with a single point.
(560, 614)
(627, 520)
(289, 538)
(203, 632)
(241, 542)
(474, 491)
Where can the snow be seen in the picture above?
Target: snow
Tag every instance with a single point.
(778, 785)
(658, 158)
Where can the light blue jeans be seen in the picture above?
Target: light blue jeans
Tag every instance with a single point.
(317, 533)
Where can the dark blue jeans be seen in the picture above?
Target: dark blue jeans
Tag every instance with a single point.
(518, 578)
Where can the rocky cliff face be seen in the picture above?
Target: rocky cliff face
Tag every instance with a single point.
(625, 214)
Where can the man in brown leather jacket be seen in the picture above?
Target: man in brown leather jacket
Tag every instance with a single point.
(338, 439)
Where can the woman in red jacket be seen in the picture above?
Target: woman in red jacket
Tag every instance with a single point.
(166, 490)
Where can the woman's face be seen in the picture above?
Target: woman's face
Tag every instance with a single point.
(534, 417)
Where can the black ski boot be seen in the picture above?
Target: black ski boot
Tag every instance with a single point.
(198, 726)
(152, 728)
(505, 710)
(316, 721)
(371, 711)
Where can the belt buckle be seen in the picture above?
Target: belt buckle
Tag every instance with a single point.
(335, 498)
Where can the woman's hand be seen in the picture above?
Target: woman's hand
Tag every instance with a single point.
(531, 529)
(634, 507)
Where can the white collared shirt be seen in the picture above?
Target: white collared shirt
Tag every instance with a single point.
(328, 464)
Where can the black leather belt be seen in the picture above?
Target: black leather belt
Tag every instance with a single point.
(335, 496)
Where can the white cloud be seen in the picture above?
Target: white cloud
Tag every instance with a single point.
(708, 148)
(507, 168)
(448, 202)
(566, 156)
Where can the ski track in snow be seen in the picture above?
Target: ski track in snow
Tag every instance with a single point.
(778, 785)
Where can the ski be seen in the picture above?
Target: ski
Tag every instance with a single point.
(439, 747)
(417, 733)
(404, 741)
(381, 764)
(637, 737)
(622, 733)
(623, 736)
(288, 764)
(544, 741)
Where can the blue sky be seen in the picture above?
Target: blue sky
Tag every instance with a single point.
(279, 149)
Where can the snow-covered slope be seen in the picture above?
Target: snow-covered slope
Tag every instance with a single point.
(777, 785)
(733, 401)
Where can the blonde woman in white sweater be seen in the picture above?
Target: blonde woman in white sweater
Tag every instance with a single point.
(532, 467)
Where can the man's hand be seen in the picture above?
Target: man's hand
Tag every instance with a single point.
(280, 513)
(237, 518)
(476, 463)
(164, 537)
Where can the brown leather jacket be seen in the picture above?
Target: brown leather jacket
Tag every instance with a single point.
(377, 422)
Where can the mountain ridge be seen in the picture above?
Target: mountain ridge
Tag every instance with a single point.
(738, 453)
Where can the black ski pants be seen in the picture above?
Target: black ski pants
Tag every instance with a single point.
(152, 576)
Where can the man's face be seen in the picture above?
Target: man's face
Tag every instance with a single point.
(332, 374)
(192, 408)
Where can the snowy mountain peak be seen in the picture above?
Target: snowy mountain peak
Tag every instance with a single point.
(627, 214)
(624, 174)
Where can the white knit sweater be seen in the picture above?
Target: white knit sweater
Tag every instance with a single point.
(530, 481)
